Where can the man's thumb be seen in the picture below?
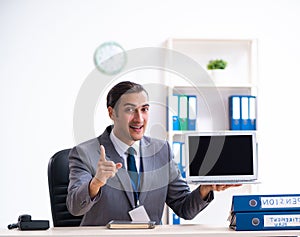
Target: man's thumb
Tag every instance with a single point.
(102, 153)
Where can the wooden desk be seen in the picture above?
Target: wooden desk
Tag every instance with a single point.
(187, 230)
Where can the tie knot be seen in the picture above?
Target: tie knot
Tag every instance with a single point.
(131, 151)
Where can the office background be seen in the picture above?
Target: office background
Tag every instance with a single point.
(46, 53)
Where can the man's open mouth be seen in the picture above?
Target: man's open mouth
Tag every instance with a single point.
(136, 127)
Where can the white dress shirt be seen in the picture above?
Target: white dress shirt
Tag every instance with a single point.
(122, 148)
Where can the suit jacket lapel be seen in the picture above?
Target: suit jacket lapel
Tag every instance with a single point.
(148, 159)
(122, 176)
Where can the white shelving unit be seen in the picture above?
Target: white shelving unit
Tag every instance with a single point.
(239, 78)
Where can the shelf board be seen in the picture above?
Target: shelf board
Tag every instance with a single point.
(210, 40)
(219, 85)
(179, 133)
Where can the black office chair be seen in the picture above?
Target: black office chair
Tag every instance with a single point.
(58, 180)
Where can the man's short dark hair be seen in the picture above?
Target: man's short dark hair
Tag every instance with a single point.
(120, 89)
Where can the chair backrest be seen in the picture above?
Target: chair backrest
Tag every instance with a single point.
(58, 180)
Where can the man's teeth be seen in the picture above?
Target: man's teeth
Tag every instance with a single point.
(136, 126)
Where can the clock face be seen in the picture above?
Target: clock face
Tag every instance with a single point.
(110, 58)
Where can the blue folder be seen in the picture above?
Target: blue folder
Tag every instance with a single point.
(265, 221)
(235, 112)
(176, 219)
(248, 112)
(267, 202)
(192, 112)
(252, 112)
(173, 102)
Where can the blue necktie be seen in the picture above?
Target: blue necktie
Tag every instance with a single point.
(131, 166)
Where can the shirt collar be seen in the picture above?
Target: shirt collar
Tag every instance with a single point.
(122, 147)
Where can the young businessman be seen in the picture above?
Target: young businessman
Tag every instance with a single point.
(101, 187)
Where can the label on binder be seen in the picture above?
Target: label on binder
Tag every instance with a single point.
(236, 108)
(280, 202)
(282, 220)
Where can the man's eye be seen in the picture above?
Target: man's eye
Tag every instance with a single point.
(146, 109)
(130, 110)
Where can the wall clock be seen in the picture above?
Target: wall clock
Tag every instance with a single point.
(110, 58)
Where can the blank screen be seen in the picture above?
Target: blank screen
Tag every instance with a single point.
(220, 155)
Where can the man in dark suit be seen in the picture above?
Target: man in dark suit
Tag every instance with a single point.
(101, 187)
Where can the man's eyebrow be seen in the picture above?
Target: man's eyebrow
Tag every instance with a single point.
(130, 104)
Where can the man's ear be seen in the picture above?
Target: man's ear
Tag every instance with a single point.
(111, 113)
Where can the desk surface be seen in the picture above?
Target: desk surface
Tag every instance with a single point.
(161, 230)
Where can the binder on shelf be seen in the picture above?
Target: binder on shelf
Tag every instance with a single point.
(178, 156)
(245, 113)
(183, 112)
(267, 202)
(265, 220)
(192, 112)
(252, 112)
(175, 219)
(235, 112)
(242, 112)
(248, 109)
(173, 111)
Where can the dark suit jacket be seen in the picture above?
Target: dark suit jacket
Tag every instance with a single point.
(161, 183)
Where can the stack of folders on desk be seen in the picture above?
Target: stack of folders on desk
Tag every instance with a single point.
(183, 109)
(265, 212)
(242, 112)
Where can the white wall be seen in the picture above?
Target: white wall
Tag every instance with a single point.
(46, 50)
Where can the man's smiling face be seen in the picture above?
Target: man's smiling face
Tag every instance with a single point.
(130, 117)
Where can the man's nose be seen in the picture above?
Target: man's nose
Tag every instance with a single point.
(138, 116)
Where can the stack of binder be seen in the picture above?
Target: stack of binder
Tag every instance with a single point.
(183, 109)
(265, 212)
(242, 112)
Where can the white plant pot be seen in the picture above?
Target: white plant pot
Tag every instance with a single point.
(218, 75)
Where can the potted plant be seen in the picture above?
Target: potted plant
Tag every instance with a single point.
(216, 67)
(216, 64)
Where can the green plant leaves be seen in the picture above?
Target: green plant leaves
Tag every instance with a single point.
(216, 64)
